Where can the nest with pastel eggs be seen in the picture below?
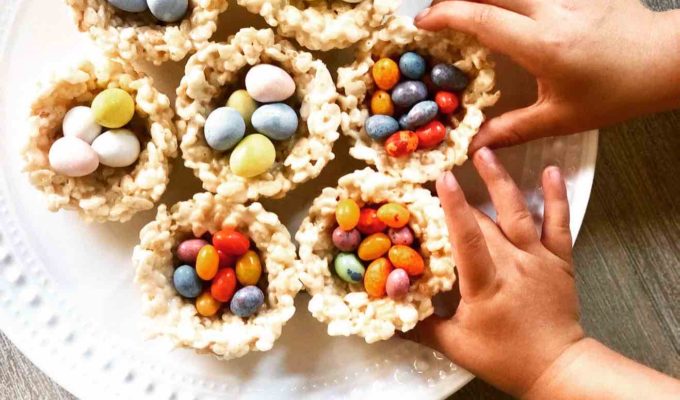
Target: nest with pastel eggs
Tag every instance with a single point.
(355, 85)
(347, 308)
(217, 70)
(107, 194)
(174, 318)
(134, 36)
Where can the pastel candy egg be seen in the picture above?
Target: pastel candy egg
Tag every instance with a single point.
(72, 157)
(380, 127)
(407, 259)
(347, 214)
(129, 5)
(206, 305)
(397, 284)
(241, 101)
(346, 240)
(449, 77)
(394, 215)
(402, 236)
(420, 114)
(375, 279)
(248, 268)
(187, 251)
(374, 246)
(253, 156)
(113, 108)
(277, 121)
(168, 10)
(224, 128)
(186, 282)
(79, 123)
(409, 93)
(117, 148)
(349, 268)
(247, 301)
(268, 83)
(412, 65)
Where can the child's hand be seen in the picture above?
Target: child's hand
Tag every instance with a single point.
(597, 62)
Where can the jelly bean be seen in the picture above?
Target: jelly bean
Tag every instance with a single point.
(346, 240)
(168, 10)
(449, 77)
(277, 121)
(347, 214)
(227, 260)
(253, 156)
(369, 222)
(398, 284)
(79, 123)
(380, 127)
(206, 305)
(349, 268)
(129, 6)
(224, 128)
(248, 268)
(412, 65)
(381, 103)
(374, 246)
(403, 236)
(394, 215)
(187, 251)
(375, 279)
(72, 157)
(431, 134)
(231, 242)
(241, 101)
(408, 93)
(268, 83)
(401, 144)
(420, 114)
(386, 73)
(187, 282)
(117, 148)
(447, 102)
(207, 262)
(113, 108)
(407, 259)
(247, 301)
(223, 285)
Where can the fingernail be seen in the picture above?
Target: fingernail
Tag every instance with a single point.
(554, 172)
(450, 181)
(486, 155)
(422, 14)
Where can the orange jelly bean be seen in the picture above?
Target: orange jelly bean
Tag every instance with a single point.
(347, 214)
(407, 259)
(386, 73)
(375, 278)
(374, 246)
(206, 305)
(394, 215)
(207, 262)
(381, 103)
(248, 269)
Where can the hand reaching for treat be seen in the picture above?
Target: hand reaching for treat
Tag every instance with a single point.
(597, 62)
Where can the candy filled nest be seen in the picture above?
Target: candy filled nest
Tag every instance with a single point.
(217, 277)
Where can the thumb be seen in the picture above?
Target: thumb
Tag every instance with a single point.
(433, 333)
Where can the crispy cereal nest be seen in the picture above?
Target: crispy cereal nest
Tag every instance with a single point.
(139, 35)
(346, 308)
(214, 71)
(108, 194)
(355, 83)
(175, 318)
(323, 25)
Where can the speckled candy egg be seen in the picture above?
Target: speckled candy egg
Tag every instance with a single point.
(402, 236)
(79, 123)
(117, 148)
(412, 65)
(187, 251)
(72, 157)
(224, 128)
(419, 115)
(129, 5)
(253, 156)
(349, 268)
(168, 10)
(380, 127)
(247, 301)
(277, 121)
(449, 77)
(268, 83)
(346, 240)
(186, 281)
(397, 284)
(409, 93)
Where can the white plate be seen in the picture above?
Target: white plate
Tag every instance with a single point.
(66, 293)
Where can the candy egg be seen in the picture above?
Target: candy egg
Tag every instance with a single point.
(346, 240)
(186, 282)
(223, 285)
(72, 157)
(431, 135)
(374, 246)
(247, 301)
(129, 5)
(409, 93)
(403, 236)
(401, 144)
(347, 214)
(447, 102)
(113, 108)
(420, 114)
(394, 215)
(349, 268)
(248, 268)
(412, 65)
(241, 101)
(168, 10)
(79, 123)
(206, 305)
(268, 83)
(277, 121)
(375, 279)
(449, 77)
(187, 251)
(253, 156)
(407, 259)
(385, 73)
(224, 128)
(369, 223)
(381, 103)
(207, 262)
(398, 284)
(231, 242)
(380, 127)
(117, 148)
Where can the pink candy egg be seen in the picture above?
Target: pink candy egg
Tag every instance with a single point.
(398, 284)
(187, 251)
(268, 83)
(73, 157)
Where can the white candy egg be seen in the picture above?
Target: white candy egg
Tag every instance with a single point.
(72, 157)
(117, 148)
(79, 122)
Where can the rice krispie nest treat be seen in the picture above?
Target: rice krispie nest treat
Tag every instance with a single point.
(108, 194)
(175, 318)
(210, 74)
(355, 85)
(139, 35)
(347, 309)
(323, 25)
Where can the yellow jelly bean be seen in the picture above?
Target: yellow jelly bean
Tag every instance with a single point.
(206, 305)
(375, 279)
(394, 215)
(253, 156)
(113, 108)
(374, 246)
(248, 268)
(241, 101)
(381, 103)
(347, 214)
(386, 73)
(207, 262)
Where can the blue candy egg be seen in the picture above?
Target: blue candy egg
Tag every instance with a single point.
(277, 121)
(224, 128)
(449, 77)
(409, 93)
(380, 127)
(420, 114)
(412, 65)
(186, 281)
(247, 301)
(168, 10)
(129, 5)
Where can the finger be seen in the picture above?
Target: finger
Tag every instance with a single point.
(524, 7)
(473, 260)
(493, 235)
(556, 235)
(513, 218)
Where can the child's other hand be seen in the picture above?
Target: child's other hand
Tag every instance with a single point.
(597, 62)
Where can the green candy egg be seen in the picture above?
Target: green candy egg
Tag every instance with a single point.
(254, 155)
(241, 101)
(349, 268)
(113, 108)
